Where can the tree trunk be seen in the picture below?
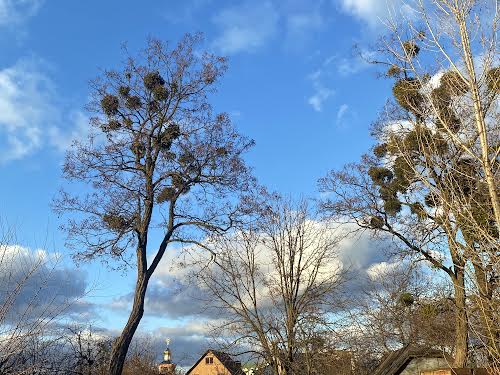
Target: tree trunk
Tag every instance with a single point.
(479, 116)
(122, 343)
(461, 326)
(487, 311)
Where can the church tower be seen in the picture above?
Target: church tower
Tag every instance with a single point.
(167, 367)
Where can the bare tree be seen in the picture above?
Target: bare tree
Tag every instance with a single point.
(142, 358)
(397, 305)
(30, 307)
(159, 167)
(274, 284)
(86, 352)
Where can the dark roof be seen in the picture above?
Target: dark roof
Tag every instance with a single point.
(397, 360)
(234, 367)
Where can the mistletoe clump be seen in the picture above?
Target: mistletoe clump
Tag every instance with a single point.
(166, 137)
(377, 222)
(453, 83)
(116, 223)
(493, 80)
(124, 91)
(110, 104)
(173, 131)
(411, 48)
(152, 80)
(380, 175)
(393, 71)
(138, 149)
(392, 206)
(133, 102)
(441, 98)
(166, 195)
(160, 93)
(406, 299)
(403, 174)
(407, 93)
(419, 210)
(380, 150)
(178, 181)
(112, 125)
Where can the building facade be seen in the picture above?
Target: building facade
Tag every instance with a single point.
(214, 362)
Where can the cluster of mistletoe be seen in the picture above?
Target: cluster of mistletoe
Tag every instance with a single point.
(418, 165)
(160, 142)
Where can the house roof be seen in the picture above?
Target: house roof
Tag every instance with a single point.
(234, 367)
(394, 362)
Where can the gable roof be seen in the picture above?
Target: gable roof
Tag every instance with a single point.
(394, 362)
(234, 367)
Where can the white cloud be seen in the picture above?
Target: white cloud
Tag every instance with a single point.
(175, 293)
(248, 26)
(341, 113)
(185, 12)
(301, 22)
(319, 97)
(25, 107)
(17, 11)
(347, 67)
(245, 28)
(62, 139)
(35, 285)
(369, 11)
(321, 91)
(379, 270)
(375, 12)
(31, 116)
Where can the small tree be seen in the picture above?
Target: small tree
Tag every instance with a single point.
(396, 306)
(30, 303)
(159, 167)
(274, 285)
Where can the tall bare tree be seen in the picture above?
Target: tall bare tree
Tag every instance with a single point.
(274, 284)
(160, 167)
(433, 181)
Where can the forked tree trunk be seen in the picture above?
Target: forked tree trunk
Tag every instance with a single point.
(122, 343)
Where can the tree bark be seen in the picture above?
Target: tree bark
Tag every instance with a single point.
(487, 311)
(122, 343)
(479, 116)
(461, 326)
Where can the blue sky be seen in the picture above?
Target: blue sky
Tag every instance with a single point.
(294, 86)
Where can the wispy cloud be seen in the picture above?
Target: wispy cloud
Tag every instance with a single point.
(321, 92)
(303, 20)
(30, 112)
(375, 12)
(341, 113)
(184, 12)
(246, 27)
(14, 12)
(369, 11)
(352, 65)
(25, 107)
(345, 116)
